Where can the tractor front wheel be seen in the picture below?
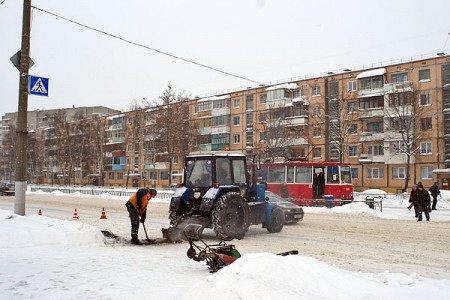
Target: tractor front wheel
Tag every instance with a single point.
(276, 220)
(230, 216)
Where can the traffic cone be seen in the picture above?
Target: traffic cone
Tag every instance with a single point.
(40, 213)
(75, 214)
(103, 216)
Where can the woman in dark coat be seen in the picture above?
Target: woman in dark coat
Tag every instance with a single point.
(413, 200)
(423, 199)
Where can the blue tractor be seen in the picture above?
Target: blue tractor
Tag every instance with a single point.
(217, 193)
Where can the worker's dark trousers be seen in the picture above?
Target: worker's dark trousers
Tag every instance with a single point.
(134, 218)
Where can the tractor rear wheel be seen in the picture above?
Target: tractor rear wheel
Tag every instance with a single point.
(230, 216)
(276, 220)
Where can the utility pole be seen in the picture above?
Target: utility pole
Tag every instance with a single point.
(22, 126)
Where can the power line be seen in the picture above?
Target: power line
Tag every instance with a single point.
(144, 46)
(2, 2)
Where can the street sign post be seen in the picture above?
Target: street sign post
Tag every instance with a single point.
(38, 86)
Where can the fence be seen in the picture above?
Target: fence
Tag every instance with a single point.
(162, 194)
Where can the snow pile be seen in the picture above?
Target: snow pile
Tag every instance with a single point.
(268, 276)
(30, 231)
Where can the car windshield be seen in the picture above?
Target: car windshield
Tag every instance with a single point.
(198, 173)
(274, 197)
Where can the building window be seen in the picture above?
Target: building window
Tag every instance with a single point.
(352, 128)
(425, 124)
(237, 103)
(236, 120)
(352, 150)
(203, 106)
(262, 117)
(317, 153)
(398, 172)
(400, 99)
(164, 175)
(316, 111)
(120, 176)
(249, 120)
(249, 102)
(351, 107)
(425, 99)
(375, 126)
(262, 136)
(236, 138)
(153, 176)
(369, 83)
(297, 93)
(263, 99)
(221, 120)
(424, 75)
(354, 172)
(316, 91)
(425, 148)
(249, 141)
(371, 102)
(426, 172)
(317, 131)
(351, 86)
(399, 78)
(222, 103)
(375, 173)
(375, 150)
(397, 147)
(111, 175)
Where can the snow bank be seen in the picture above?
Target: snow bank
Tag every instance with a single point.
(30, 231)
(269, 276)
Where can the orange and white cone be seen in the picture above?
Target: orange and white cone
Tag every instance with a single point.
(75, 214)
(40, 213)
(103, 216)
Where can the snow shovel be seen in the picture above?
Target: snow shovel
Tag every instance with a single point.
(146, 235)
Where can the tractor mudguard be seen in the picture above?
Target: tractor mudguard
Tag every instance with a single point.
(212, 194)
(269, 208)
(209, 198)
(180, 194)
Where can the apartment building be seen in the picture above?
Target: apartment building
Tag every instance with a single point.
(386, 120)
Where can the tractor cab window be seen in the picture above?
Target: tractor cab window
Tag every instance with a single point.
(223, 172)
(239, 172)
(198, 173)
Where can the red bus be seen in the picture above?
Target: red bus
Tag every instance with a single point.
(308, 183)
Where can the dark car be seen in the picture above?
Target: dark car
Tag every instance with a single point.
(292, 213)
(7, 189)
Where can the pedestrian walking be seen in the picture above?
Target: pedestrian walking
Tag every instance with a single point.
(413, 200)
(434, 190)
(423, 199)
(137, 209)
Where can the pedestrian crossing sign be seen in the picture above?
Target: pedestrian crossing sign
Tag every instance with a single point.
(38, 86)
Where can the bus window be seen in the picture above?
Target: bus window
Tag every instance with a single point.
(290, 175)
(261, 173)
(333, 174)
(303, 174)
(346, 175)
(276, 174)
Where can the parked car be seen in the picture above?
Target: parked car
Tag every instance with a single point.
(292, 213)
(7, 189)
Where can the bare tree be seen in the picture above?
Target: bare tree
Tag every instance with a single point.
(404, 119)
(171, 120)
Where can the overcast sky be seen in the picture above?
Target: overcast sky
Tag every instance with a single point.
(262, 40)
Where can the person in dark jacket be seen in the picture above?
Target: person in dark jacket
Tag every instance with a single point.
(423, 199)
(137, 208)
(284, 193)
(434, 190)
(413, 200)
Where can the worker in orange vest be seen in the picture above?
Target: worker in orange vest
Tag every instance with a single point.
(137, 208)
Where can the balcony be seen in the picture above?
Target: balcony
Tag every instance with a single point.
(371, 136)
(296, 121)
(204, 147)
(204, 130)
(365, 158)
(397, 158)
(397, 87)
(371, 113)
(115, 140)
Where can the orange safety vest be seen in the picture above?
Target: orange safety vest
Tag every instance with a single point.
(144, 202)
